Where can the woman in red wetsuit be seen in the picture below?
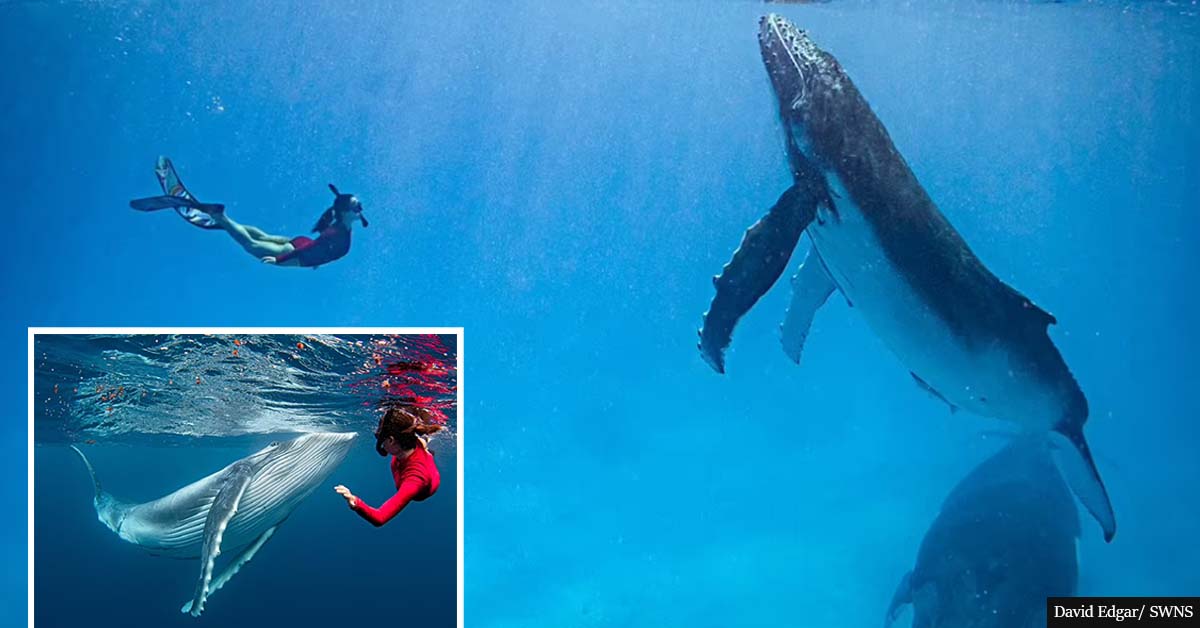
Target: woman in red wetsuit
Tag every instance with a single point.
(331, 243)
(400, 433)
(333, 229)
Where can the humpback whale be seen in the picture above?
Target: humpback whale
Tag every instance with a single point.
(878, 239)
(1005, 539)
(236, 509)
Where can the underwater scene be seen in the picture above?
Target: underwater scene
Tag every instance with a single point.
(257, 430)
(975, 222)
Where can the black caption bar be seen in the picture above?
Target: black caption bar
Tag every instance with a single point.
(1085, 612)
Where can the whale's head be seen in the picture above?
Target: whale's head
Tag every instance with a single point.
(319, 451)
(295, 467)
(809, 84)
(799, 70)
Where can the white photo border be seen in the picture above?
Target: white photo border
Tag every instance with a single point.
(249, 331)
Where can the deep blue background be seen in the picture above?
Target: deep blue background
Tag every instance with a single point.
(563, 181)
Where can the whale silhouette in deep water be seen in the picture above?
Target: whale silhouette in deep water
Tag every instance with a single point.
(878, 239)
(1006, 538)
(237, 508)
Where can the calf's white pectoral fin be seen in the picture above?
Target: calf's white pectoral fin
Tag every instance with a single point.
(232, 569)
(223, 508)
(811, 287)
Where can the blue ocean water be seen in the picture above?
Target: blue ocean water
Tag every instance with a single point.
(563, 180)
(155, 413)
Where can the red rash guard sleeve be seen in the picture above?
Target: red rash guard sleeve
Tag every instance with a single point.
(411, 486)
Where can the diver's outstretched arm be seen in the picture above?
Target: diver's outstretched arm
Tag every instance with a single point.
(407, 491)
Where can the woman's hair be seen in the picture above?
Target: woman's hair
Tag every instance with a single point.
(324, 221)
(405, 424)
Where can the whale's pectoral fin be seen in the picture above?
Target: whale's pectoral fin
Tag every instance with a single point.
(756, 265)
(1075, 460)
(811, 287)
(222, 510)
(935, 394)
(232, 569)
(900, 598)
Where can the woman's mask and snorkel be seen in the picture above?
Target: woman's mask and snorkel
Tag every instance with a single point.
(345, 206)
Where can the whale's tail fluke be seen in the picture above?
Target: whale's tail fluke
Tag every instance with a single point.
(91, 472)
(1079, 469)
(109, 509)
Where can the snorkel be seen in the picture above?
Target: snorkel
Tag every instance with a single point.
(342, 204)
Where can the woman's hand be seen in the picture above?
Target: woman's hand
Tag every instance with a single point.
(345, 492)
(269, 260)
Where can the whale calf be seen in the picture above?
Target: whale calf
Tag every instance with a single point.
(879, 240)
(236, 509)
(1006, 538)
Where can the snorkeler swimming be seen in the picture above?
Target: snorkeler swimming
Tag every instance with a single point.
(400, 433)
(333, 227)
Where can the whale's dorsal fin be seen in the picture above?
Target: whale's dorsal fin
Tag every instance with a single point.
(222, 510)
(1029, 311)
(811, 287)
(1043, 318)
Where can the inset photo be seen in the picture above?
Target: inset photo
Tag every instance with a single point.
(245, 477)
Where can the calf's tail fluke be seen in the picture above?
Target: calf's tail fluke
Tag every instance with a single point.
(91, 471)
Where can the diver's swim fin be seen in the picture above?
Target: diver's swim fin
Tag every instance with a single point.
(155, 203)
(177, 197)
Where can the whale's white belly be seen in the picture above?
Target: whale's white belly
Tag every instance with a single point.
(970, 379)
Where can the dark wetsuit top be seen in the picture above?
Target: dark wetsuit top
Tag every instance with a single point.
(331, 244)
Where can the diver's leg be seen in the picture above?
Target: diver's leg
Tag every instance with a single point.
(257, 248)
(259, 234)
